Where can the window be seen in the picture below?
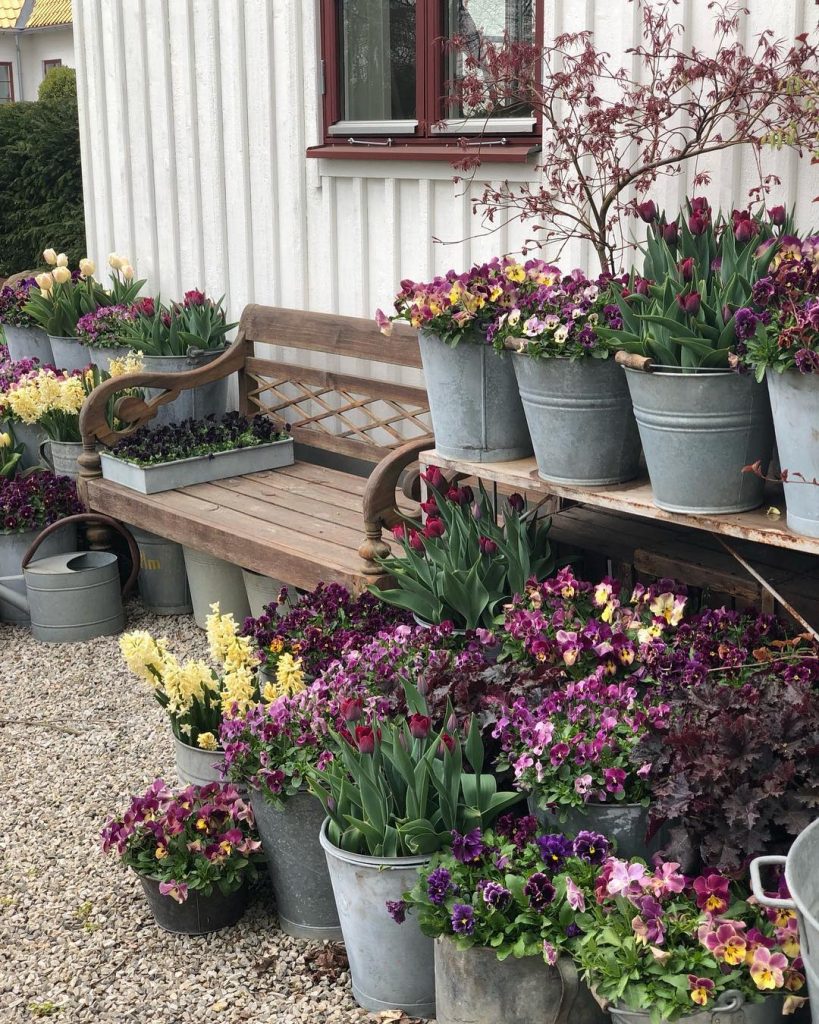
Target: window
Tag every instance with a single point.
(49, 64)
(6, 83)
(387, 75)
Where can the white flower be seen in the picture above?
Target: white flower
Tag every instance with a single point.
(62, 260)
(61, 274)
(115, 261)
(44, 282)
(87, 268)
(127, 271)
(560, 335)
(50, 257)
(514, 316)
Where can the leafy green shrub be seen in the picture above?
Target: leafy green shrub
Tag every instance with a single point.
(59, 85)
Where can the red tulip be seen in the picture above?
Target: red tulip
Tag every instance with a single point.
(419, 726)
(699, 204)
(690, 303)
(365, 739)
(399, 532)
(434, 527)
(647, 211)
(415, 541)
(671, 233)
(445, 743)
(434, 477)
(687, 268)
(487, 545)
(430, 507)
(777, 215)
(351, 709)
(517, 502)
(698, 223)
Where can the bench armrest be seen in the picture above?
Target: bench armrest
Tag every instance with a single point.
(380, 508)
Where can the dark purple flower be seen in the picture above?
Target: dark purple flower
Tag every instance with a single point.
(487, 545)
(494, 894)
(397, 909)
(554, 849)
(591, 847)
(671, 233)
(807, 361)
(439, 886)
(519, 830)
(745, 323)
(689, 303)
(463, 919)
(517, 502)
(777, 215)
(540, 891)
(763, 291)
(573, 930)
(647, 211)
(469, 848)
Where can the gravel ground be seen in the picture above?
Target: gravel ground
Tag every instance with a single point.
(77, 941)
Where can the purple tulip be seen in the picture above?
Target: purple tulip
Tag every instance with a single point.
(671, 233)
(777, 215)
(689, 303)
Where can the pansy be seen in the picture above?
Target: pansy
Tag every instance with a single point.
(712, 893)
(463, 919)
(700, 989)
(767, 969)
(468, 848)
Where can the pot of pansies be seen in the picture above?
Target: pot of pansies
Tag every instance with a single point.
(701, 417)
(101, 333)
(180, 337)
(575, 397)
(25, 339)
(474, 402)
(462, 563)
(782, 327)
(500, 906)
(195, 695)
(28, 503)
(658, 946)
(194, 850)
(394, 791)
(28, 435)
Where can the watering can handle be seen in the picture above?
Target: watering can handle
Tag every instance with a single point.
(756, 882)
(92, 517)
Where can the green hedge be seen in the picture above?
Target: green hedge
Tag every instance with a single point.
(40, 181)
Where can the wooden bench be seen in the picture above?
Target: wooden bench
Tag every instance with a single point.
(309, 522)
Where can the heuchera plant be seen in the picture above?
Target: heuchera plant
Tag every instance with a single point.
(510, 890)
(197, 839)
(36, 500)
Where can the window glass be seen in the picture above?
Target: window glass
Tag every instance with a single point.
(6, 90)
(476, 23)
(377, 51)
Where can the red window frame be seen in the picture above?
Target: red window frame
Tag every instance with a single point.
(429, 99)
(8, 64)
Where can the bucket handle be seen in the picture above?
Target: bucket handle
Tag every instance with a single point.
(729, 1002)
(45, 453)
(91, 517)
(570, 985)
(756, 882)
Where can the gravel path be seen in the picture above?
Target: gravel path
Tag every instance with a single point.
(77, 942)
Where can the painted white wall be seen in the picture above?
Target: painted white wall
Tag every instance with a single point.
(195, 116)
(35, 47)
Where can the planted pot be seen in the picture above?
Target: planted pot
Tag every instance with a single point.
(473, 987)
(101, 355)
(69, 354)
(261, 591)
(795, 407)
(297, 866)
(163, 581)
(580, 419)
(198, 914)
(213, 579)
(28, 343)
(698, 432)
(30, 436)
(13, 547)
(61, 456)
(196, 767)
(624, 824)
(195, 403)
(727, 1009)
(474, 401)
(392, 966)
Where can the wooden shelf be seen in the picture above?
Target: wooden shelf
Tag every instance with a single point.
(636, 498)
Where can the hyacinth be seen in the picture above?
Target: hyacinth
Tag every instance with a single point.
(45, 392)
(102, 328)
(36, 500)
(12, 300)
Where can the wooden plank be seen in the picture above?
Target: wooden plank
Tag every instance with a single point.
(338, 480)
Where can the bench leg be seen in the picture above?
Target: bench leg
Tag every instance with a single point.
(373, 546)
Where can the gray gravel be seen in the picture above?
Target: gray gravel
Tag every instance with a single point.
(77, 942)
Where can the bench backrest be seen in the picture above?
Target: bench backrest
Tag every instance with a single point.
(363, 416)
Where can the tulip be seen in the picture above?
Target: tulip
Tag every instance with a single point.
(365, 739)
(115, 261)
(777, 215)
(434, 477)
(127, 271)
(700, 205)
(517, 502)
(87, 268)
(419, 726)
(698, 223)
(689, 304)
(430, 507)
(446, 743)
(399, 532)
(687, 268)
(62, 260)
(50, 256)
(671, 233)
(647, 211)
(641, 286)
(434, 528)
(61, 274)
(415, 541)
(5, 440)
(744, 228)
(477, 511)
(352, 709)
(487, 545)
(44, 282)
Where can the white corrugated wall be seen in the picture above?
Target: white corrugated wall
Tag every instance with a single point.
(195, 117)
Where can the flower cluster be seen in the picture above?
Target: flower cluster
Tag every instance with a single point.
(103, 327)
(196, 322)
(191, 438)
(12, 302)
(196, 839)
(13, 373)
(36, 500)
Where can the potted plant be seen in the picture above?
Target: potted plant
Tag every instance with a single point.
(29, 435)
(501, 907)
(194, 851)
(474, 401)
(574, 396)
(24, 338)
(182, 336)
(393, 792)
(463, 563)
(101, 333)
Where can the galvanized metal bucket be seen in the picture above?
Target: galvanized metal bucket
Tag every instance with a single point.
(27, 343)
(580, 419)
(69, 354)
(61, 456)
(198, 914)
(261, 591)
(698, 431)
(195, 403)
(30, 436)
(624, 824)
(727, 1009)
(102, 355)
(297, 865)
(795, 407)
(213, 580)
(197, 767)
(474, 401)
(163, 581)
(802, 877)
(392, 966)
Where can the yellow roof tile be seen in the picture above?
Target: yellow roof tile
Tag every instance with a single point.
(9, 13)
(49, 12)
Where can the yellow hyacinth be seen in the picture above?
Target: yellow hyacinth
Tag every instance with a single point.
(238, 688)
(207, 741)
(131, 363)
(221, 633)
(143, 655)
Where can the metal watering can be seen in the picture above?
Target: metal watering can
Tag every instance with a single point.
(75, 596)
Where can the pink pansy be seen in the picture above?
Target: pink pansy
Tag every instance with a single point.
(176, 890)
(574, 896)
(767, 968)
(549, 954)
(626, 878)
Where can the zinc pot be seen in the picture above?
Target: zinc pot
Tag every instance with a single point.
(580, 419)
(197, 767)
(163, 582)
(297, 865)
(30, 436)
(195, 403)
(698, 431)
(795, 406)
(473, 987)
(198, 914)
(69, 354)
(474, 401)
(213, 579)
(12, 548)
(624, 824)
(101, 355)
(392, 966)
(167, 476)
(261, 591)
(27, 343)
(727, 1009)
(61, 456)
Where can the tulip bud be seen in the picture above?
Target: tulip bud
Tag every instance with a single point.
(777, 215)
(745, 230)
(641, 286)
(671, 233)
(352, 709)
(647, 211)
(477, 511)
(698, 223)
(50, 257)
(415, 541)
(689, 304)
(365, 739)
(44, 282)
(127, 271)
(422, 685)
(5, 440)
(62, 260)
(445, 743)
(61, 274)
(331, 804)
(687, 268)
(487, 545)
(87, 268)
(517, 502)
(115, 261)
(452, 725)
(430, 507)
(434, 477)
(399, 532)
(420, 726)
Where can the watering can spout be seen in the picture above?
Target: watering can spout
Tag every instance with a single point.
(16, 598)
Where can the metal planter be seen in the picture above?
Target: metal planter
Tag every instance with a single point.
(297, 865)
(167, 476)
(30, 436)
(13, 547)
(795, 406)
(197, 767)
(212, 580)
(728, 1009)
(61, 456)
(392, 966)
(28, 343)
(261, 591)
(102, 355)
(198, 914)
(69, 354)
(474, 401)
(624, 824)
(163, 581)
(698, 431)
(195, 403)
(473, 987)
(580, 419)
